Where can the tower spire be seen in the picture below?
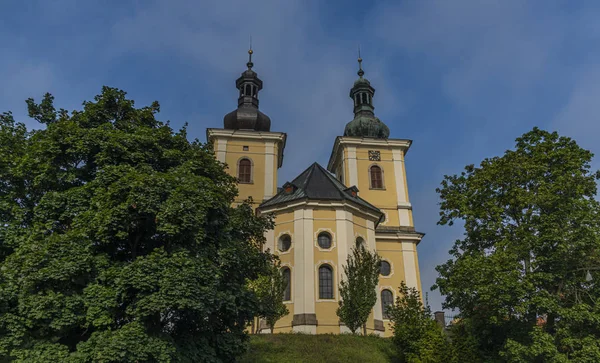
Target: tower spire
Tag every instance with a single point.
(365, 124)
(250, 51)
(360, 70)
(247, 116)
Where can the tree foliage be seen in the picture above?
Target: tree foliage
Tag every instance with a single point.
(358, 290)
(417, 336)
(526, 274)
(269, 288)
(118, 241)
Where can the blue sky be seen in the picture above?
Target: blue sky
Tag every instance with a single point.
(461, 78)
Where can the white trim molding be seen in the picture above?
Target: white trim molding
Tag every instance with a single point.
(352, 167)
(410, 266)
(270, 169)
(221, 149)
(344, 227)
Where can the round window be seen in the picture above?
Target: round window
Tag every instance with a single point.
(285, 242)
(385, 269)
(324, 240)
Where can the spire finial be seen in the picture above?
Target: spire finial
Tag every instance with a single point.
(360, 70)
(250, 64)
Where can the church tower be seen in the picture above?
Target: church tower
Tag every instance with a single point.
(246, 144)
(367, 158)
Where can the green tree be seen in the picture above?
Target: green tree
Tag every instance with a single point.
(118, 242)
(269, 289)
(526, 274)
(417, 336)
(358, 290)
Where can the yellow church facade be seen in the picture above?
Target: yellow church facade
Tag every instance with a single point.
(361, 197)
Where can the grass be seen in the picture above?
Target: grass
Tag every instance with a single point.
(292, 348)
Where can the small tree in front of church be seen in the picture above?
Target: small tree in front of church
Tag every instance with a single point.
(416, 334)
(269, 289)
(357, 290)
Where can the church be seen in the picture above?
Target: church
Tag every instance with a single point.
(360, 197)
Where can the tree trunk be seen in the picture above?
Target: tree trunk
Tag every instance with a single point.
(364, 329)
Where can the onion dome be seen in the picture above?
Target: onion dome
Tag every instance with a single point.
(247, 116)
(364, 124)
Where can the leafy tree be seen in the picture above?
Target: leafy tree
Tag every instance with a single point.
(417, 335)
(464, 344)
(118, 241)
(526, 274)
(358, 290)
(269, 289)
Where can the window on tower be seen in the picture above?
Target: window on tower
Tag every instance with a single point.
(376, 177)
(245, 171)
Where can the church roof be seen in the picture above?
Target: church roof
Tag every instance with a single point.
(316, 183)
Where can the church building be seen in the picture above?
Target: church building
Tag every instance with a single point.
(361, 197)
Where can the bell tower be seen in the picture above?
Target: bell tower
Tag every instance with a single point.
(367, 158)
(246, 144)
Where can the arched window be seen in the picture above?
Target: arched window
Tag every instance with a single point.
(325, 282)
(287, 280)
(376, 177)
(360, 242)
(245, 171)
(324, 240)
(387, 299)
(285, 242)
(385, 269)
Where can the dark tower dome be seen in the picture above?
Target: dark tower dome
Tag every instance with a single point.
(247, 116)
(365, 124)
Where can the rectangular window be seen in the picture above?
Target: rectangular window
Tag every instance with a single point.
(325, 283)
(245, 171)
(376, 177)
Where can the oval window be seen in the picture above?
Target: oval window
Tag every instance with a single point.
(285, 242)
(324, 240)
(385, 269)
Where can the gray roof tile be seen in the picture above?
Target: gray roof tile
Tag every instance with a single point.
(316, 183)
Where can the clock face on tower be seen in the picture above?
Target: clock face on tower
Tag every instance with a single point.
(374, 155)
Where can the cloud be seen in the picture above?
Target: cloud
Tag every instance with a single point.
(307, 74)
